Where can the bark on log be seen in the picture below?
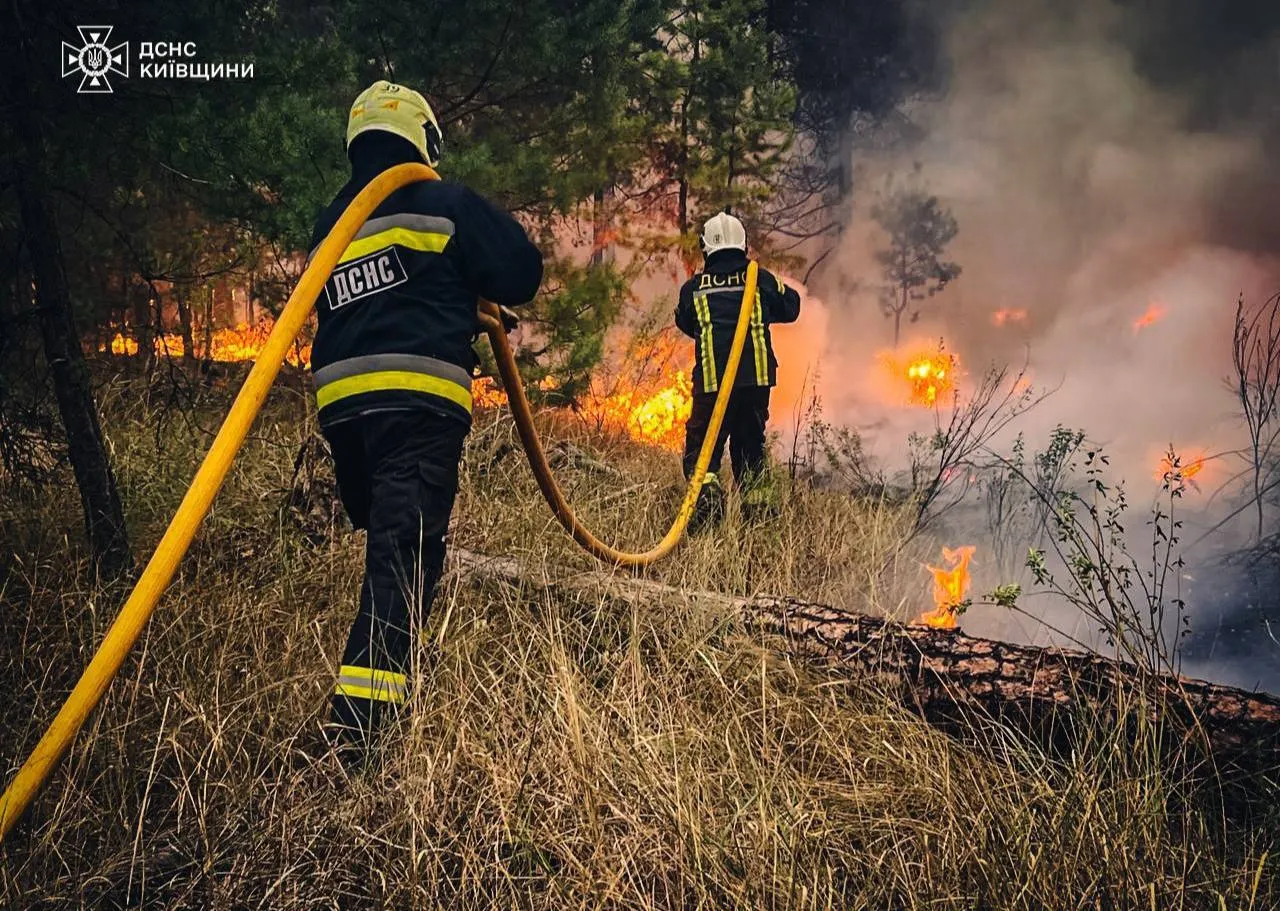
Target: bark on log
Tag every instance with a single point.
(957, 680)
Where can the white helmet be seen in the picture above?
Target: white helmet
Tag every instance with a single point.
(722, 232)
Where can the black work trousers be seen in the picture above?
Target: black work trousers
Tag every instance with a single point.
(398, 477)
(743, 428)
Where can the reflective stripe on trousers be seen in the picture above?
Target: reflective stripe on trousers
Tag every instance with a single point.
(371, 683)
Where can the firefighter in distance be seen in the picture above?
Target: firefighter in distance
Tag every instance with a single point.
(707, 312)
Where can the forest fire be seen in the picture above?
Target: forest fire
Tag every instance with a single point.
(242, 343)
(652, 412)
(949, 588)
(655, 416)
(928, 375)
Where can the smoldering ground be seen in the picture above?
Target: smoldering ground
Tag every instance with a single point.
(1109, 166)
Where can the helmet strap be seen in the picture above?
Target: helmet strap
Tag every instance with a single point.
(435, 142)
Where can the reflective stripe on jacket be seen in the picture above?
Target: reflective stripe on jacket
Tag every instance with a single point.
(708, 313)
(397, 317)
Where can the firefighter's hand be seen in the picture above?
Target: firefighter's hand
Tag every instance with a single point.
(509, 318)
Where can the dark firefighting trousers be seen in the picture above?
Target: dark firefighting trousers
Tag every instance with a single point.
(398, 476)
(743, 428)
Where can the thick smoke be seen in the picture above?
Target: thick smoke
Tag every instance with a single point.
(1104, 164)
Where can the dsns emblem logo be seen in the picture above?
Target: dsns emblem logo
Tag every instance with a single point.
(95, 60)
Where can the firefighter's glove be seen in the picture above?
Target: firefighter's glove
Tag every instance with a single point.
(510, 321)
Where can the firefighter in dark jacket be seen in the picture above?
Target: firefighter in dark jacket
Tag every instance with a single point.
(708, 313)
(392, 360)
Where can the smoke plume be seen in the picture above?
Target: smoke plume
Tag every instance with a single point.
(1109, 169)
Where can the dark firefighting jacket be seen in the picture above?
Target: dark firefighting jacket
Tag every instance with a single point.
(397, 317)
(708, 313)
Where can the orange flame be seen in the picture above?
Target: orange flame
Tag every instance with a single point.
(1177, 470)
(1009, 315)
(1153, 314)
(949, 588)
(928, 375)
(652, 411)
(243, 343)
(122, 345)
(486, 394)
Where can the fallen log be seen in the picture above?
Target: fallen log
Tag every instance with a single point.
(956, 680)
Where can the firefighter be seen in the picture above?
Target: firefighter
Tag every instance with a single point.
(708, 313)
(392, 362)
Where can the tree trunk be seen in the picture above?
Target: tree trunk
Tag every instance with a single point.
(208, 324)
(683, 204)
(601, 244)
(959, 681)
(103, 514)
(184, 321)
(144, 329)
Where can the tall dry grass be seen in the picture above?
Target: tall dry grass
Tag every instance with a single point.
(575, 753)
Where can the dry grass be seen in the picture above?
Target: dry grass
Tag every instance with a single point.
(560, 755)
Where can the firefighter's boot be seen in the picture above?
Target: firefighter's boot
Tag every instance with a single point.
(760, 502)
(709, 508)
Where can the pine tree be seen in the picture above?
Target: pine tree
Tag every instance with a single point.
(730, 123)
(919, 229)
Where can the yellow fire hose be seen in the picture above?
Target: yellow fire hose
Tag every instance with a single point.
(523, 414)
(155, 578)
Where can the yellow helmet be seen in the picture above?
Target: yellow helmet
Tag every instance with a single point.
(400, 110)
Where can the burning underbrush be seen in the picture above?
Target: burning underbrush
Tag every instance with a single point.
(643, 392)
(645, 395)
(242, 342)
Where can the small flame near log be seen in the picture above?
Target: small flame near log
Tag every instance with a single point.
(950, 586)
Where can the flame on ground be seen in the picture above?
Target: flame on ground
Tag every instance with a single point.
(927, 375)
(1153, 314)
(651, 401)
(949, 588)
(650, 410)
(486, 394)
(242, 343)
(653, 416)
